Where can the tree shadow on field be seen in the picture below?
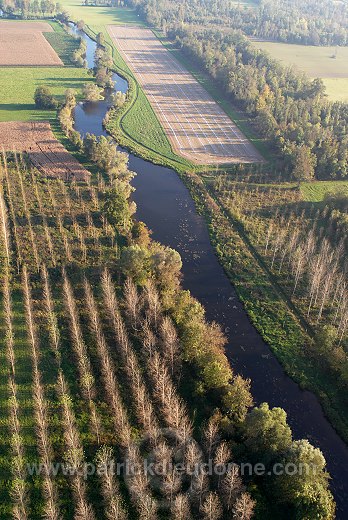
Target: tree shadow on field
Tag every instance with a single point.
(15, 107)
(25, 113)
(65, 83)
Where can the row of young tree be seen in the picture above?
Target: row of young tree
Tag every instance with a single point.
(148, 321)
(305, 249)
(311, 23)
(79, 232)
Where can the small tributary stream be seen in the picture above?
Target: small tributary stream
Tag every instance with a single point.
(165, 205)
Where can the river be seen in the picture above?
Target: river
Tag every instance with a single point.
(165, 205)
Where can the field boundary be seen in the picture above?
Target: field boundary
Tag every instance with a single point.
(197, 127)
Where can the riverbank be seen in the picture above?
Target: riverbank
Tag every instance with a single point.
(279, 322)
(266, 306)
(135, 125)
(273, 314)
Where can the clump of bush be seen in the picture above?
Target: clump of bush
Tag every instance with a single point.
(44, 99)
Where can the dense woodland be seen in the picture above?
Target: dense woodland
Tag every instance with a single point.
(308, 131)
(314, 22)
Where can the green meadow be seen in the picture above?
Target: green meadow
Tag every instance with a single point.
(316, 191)
(18, 84)
(99, 15)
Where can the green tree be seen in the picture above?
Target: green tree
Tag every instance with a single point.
(216, 373)
(70, 98)
(238, 399)
(100, 39)
(267, 434)
(305, 484)
(116, 206)
(118, 99)
(166, 264)
(141, 234)
(44, 99)
(134, 263)
(90, 143)
(91, 92)
(304, 163)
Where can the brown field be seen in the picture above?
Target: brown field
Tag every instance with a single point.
(22, 43)
(46, 153)
(197, 127)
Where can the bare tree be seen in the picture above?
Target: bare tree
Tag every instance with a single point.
(114, 507)
(244, 507)
(211, 508)
(135, 381)
(51, 508)
(132, 302)
(108, 371)
(180, 509)
(211, 437)
(231, 487)
(87, 381)
(170, 347)
(74, 453)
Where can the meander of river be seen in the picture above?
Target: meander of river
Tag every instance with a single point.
(165, 205)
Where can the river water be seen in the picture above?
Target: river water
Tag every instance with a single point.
(165, 205)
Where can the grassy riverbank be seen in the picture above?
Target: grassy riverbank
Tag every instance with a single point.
(135, 126)
(269, 306)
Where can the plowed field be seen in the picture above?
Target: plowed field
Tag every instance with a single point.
(22, 43)
(196, 125)
(46, 153)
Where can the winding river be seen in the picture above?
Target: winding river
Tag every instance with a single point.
(165, 205)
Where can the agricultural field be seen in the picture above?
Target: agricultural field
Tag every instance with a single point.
(197, 127)
(24, 44)
(328, 63)
(63, 43)
(45, 152)
(91, 368)
(18, 84)
(101, 15)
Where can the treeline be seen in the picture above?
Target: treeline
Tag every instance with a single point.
(313, 22)
(106, 3)
(27, 9)
(288, 108)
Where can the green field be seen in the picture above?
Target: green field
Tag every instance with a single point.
(316, 191)
(317, 62)
(18, 84)
(63, 43)
(99, 15)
